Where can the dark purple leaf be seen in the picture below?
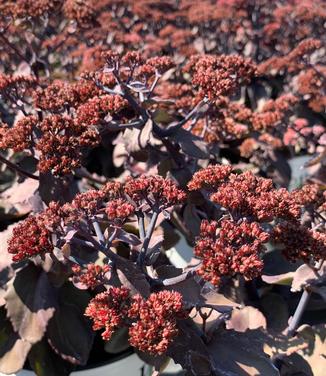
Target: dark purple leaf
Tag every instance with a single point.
(45, 362)
(30, 302)
(69, 332)
(13, 350)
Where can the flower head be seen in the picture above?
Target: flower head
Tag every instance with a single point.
(228, 248)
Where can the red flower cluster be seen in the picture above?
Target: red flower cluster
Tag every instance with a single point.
(220, 75)
(61, 143)
(119, 209)
(210, 177)
(82, 12)
(273, 113)
(33, 236)
(228, 248)
(156, 324)
(92, 276)
(293, 61)
(109, 310)
(311, 87)
(245, 194)
(254, 197)
(96, 109)
(152, 322)
(160, 63)
(84, 204)
(15, 87)
(155, 189)
(309, 194)
(28, 8)
(19, 137)
(29, 238)
(60, 95)
(132, 64)
(113, 190)
(300, 242)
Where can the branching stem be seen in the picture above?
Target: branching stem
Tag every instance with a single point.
(18, 169)
(147, 238)
(298, 312)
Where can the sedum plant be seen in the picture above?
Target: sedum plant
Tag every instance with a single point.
(126, 126)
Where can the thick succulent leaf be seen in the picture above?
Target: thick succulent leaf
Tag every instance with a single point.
(162, 116)
(320, 290)
(218, 301)
(315, 354)
(276, 264)
(130, 139)
(13, 350)
(120, 155)
(69, 332)
(19, 198)
(190, 291)
(246, 318)
(279, 279)
(304, 275)
(131, 276)
(275, 309)
(191, 144)
(159, 362)
(145, 133)
(234, 353)
(6, 270)
(118, 342)
(190, 351)
(192, 219)
(127, 237)
(306, 352)
(45, 362)
(282, 170)
(53, 188)
(30, 302)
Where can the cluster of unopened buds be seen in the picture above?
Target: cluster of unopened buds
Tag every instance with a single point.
(118, 201)
(254, 206)
(228, 248)
(91, 276)
(251, 213)
(152, 322)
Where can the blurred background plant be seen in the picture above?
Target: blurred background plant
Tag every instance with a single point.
(209, 100)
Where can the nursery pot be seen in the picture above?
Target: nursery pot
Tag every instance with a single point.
(130, 364)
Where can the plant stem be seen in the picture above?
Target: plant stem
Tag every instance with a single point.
(17, 169)
(99, 233)
(147, 238)
(11, 46)
(174, 280)
(141, 225)
(298, 312)
(103, 247)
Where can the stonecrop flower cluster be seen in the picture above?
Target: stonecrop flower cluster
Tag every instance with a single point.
(236, 245)
(152, 322)
(117, 201)
(229, 248)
